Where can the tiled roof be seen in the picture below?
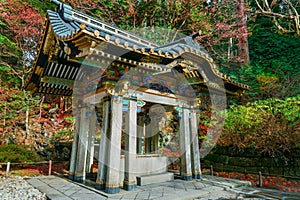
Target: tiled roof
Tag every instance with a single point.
(67, 25)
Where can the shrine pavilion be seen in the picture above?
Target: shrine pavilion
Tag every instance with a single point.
(121, 86)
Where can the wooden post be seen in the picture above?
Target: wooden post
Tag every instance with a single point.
(259, 179)
(211, 170)
(7, 169)
(50, 167)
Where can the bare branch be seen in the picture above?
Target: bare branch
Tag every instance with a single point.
(290, 16)
(272, 14)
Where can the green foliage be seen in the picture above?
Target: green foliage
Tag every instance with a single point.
(17, 154)
(7, 77)
(62, 135)
(64, 132)
(9, 56)
(248, 119)
(243, 119)
(274, 53)
(274, 68)
(9, 51)
(2, 24)
(42, 6)
(4, 41)
(269, 125)
(70, 119)
(13, 102)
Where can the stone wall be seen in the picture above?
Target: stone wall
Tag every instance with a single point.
(230, 160)
(145, 165)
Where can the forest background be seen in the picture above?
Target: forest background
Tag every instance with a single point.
(255, 42)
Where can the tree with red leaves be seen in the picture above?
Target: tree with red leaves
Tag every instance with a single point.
(23, 20)
(24, 25)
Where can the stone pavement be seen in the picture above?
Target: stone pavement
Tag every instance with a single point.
(57, 188)
(262, 193)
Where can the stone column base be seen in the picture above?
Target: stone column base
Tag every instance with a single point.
(71, 176)
(100, 185)
(197, 175)
(112, 190)
(129, 187)
(79, 179)
(187, 177)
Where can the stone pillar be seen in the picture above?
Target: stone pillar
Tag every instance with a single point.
(143, 138)
(148, 132)
(92, 129)
(148, 138)
(140, 134)
(195, 146)
(82, 146)
(114, 148)
(74, 146)
(130, 148)
(102, 159)
(185, 147)
(154, 135)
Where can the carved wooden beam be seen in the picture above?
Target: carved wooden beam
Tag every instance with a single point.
(57, 81)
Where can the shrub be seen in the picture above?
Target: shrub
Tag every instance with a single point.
(270, 126)
(17, 154)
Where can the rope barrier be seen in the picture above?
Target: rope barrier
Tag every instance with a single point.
(32, 163)
(49, 163)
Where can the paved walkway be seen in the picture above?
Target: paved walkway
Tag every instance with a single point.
(57, 188)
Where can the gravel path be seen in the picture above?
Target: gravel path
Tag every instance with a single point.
(16, 188)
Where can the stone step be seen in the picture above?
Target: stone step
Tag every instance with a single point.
(154, 178)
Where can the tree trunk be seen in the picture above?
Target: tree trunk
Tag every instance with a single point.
(243, 33)
(27, 122)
